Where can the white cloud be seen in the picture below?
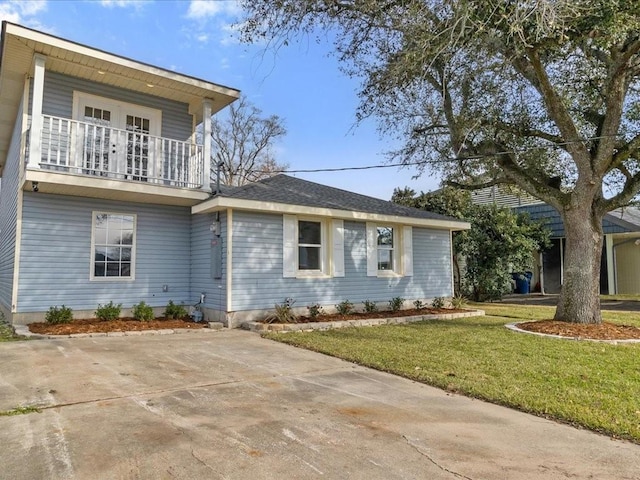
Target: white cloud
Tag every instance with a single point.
(22, 12)
(123, 3)
(203, 9)
(203, 38)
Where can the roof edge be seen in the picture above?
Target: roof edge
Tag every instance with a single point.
(10, 28)
(219, 203)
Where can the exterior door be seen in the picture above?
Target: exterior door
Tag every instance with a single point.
(117, 137)
(137, 147)
(97, 148)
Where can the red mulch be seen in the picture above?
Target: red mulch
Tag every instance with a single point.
(93, 325)
(604, 331)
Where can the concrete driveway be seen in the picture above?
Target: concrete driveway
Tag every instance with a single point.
(231, 405)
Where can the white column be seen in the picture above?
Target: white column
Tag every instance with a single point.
(36, 112)
(206, 142)
(611, 264)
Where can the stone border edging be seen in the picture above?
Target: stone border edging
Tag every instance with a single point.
(24, 331)
(514, 327)
(307, 327)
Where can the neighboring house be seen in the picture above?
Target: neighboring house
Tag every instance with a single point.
(105, 197)
(620, 262)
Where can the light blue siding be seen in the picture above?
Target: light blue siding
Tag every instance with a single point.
(58, 101)
(8, 214)
(201, 278)
(55, 258)
(257, 268)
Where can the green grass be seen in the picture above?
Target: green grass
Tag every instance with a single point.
(588, 384)
(19, 411)
(621, 296)
(6, 332)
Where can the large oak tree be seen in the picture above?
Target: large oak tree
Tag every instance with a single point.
(542, 94)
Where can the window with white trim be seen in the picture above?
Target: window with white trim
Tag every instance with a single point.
(312, 247)
(113, 243)
(389, 250)
(386, 252)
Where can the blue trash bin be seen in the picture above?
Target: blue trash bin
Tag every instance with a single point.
(523, 282)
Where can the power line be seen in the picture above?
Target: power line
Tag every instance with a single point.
(442, 160)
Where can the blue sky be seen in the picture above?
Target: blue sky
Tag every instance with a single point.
(300, 83)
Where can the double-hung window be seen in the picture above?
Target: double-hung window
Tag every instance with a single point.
(113, 246)
(312, 247)
(386, 252)
(389, 250)
(310, 251)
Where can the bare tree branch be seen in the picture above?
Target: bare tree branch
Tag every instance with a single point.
(243, 142)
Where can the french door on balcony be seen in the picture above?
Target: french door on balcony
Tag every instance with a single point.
(115, 140)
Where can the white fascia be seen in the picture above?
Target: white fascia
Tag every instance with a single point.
(222, 203)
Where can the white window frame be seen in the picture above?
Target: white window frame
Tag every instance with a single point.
(92, 267)
(331, 247)
(118, 109)
(322, 247)
(402, 250)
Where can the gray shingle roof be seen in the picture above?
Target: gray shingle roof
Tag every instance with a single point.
(295, 191)
(628, 217)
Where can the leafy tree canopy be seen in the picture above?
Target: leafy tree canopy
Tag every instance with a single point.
(498, 244)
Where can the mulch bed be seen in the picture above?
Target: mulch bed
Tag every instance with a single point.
(335, 317)
(604, 331)
(93, 325)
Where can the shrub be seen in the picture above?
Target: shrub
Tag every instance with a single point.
(419, 305)
(370, 306)
(108, 311)
(173, 311)
(345, 307)
(57, 315)
(283, 312)
(396, 303)
(438, 302)
(315, 310)
(459, 301)
(143, 312)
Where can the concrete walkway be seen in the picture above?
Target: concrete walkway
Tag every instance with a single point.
(231, 405)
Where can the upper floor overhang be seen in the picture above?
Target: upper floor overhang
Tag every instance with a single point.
(20, 44)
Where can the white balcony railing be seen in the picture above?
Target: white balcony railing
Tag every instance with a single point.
(99, 150)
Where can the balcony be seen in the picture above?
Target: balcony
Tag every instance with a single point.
(92, 160)
(81, 148)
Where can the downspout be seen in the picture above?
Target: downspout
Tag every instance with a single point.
(541, 271)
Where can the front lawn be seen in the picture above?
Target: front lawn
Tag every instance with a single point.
(594, 385)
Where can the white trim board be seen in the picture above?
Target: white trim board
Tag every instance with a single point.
(221, 203)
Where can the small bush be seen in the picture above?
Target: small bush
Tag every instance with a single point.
(419, 305)
(315, 310)
(57, 315)
(345, 307)
(438, 302)
(143, 312)
(110, 311)
(173, 311)
(370, 306)
(396, 303)
(283, 312)
(459, 301)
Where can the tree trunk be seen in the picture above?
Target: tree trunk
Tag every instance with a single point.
(580, 295)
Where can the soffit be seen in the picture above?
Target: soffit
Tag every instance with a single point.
(19, 44)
